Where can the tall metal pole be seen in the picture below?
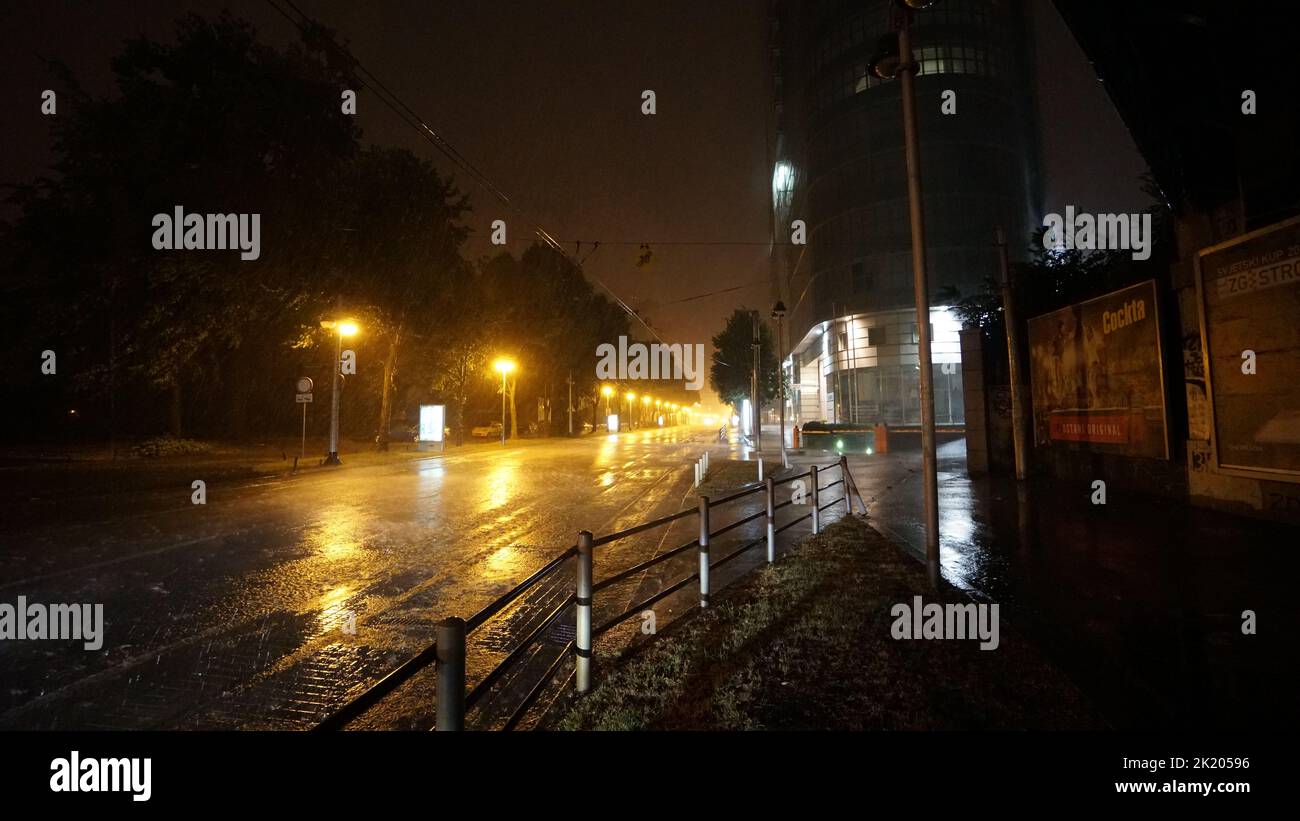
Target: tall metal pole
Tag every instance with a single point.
(333, 457)
(780, 375)
(503, 407)
(929, 479)
(1010, 318)
(570, 403)
(753, 389)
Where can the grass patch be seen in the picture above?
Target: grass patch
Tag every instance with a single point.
(726, 475)
(805, 644)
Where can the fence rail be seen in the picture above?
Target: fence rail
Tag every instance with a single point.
(448, 652)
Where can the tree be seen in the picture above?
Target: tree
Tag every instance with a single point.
(216, 123)
(733, 360)
(399, 269)
(548, 316)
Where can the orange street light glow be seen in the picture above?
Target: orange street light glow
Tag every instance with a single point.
(505, 366)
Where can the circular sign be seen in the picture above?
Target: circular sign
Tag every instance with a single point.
(304, 384)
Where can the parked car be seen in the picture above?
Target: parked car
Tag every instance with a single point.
(401, 432)
(488, 431)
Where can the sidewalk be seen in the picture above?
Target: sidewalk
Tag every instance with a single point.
(1139, 600)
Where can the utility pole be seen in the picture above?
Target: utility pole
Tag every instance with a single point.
(929, 480)
(570, 381)
(778, 313)
(1010, 318)
(753, 388)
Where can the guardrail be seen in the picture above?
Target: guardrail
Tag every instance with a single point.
(448, 651)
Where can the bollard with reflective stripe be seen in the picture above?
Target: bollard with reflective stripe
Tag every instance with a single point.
(450, 636)
(582, 614)
(704, 551)
(816, 514)
(771, 520)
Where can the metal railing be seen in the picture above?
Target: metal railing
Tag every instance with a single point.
(449, 648)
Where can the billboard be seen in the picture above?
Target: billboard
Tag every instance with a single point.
(1249, 295)
(1096, 376)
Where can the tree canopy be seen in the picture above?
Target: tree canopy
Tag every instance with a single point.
(217, 122)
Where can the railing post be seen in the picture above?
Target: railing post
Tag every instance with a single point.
(704, 551)
(816, 512)
(771, 520)
(844, 477)
(450, 636)
(760, 468)
(582, 614)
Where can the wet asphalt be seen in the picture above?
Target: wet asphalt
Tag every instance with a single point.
(276, 600)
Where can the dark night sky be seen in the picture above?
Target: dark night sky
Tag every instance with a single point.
(545, 99)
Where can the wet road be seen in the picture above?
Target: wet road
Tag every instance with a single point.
(265, 607)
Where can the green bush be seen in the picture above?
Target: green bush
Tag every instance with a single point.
(168, 446)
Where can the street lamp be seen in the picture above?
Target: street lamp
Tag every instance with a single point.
(645, 406)
(505, 366)
(778, 313)
(895, 60)
(342, 328)
(606, 391)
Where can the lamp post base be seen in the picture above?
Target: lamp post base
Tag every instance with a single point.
(332, 458)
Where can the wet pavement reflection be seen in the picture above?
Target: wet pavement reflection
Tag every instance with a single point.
(275, 601)
(1139, 600)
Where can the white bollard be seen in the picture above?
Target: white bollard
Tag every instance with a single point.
(582, 615)
(697, 474)
(816, 513)
(704, 551)
(760, 468)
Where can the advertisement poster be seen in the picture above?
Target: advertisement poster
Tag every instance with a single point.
(1249, 290)
(1096, 377)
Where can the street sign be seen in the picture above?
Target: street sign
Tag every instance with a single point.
(303, 397)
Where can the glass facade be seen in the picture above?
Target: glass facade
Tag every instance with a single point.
(839, 133)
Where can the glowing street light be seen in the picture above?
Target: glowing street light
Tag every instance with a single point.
(606, 391)
(505, 366)
(342, 328)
